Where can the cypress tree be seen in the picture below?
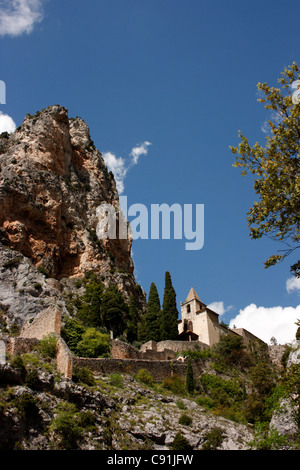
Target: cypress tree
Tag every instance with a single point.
(169, 311)
(153, 327)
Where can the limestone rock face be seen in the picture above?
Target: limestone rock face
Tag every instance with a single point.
(52, 180)
(285, 418)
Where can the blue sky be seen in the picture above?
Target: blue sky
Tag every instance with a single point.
(181, 76)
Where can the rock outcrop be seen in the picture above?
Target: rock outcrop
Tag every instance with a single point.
(127, 416)
(52, 180)
(285, 420)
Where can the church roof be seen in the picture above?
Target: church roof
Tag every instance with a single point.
(192, 296)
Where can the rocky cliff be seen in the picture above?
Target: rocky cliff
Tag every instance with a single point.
(52, 180)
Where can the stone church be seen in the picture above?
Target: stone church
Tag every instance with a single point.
(199, 323)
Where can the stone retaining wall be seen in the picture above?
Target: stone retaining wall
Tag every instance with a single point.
(159, 369)
(121, 350)
(48, 321)
(172, 346)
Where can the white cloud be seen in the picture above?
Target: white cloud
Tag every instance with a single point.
(293, 283)
(265, 323)
(138, 151)
(275, 117)
(19, 16)
(119, 166)
(7, 124)
(219, 307)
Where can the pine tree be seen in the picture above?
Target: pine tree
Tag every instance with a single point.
(169, 311)
(153, 327)
(190, 384)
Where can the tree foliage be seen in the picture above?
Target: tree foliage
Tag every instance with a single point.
(169, 311)
(153, 315)
(276, 169)
(114, 311)
(132, 325)
(93, 344)
(89, 305)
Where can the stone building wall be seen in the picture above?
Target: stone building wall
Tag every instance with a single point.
(247, 336)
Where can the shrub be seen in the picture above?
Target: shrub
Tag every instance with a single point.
(175, 384)
(145, 377)
(213, 438)
(93, 344)
(48, 346)
(207, 402)
(181, 405)
(83, 375)
(18, 363)
(185, 420)
(230, 350)
(116, 380)
(32, 378)
(217, 388)
(26, 405)
(181, 443)
(66, 426)
(265, 439)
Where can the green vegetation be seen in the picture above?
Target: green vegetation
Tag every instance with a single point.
(276, 169)
(96, 313)
(26, 405)
(185, 420)
(69, 425)
(132, 326)
(114, 311)
(83, 375)
(89, 304)
(145, 377)
(93, 344)
(161, 323)
(48, 346)
(175, 384)
(213, 438)
(181, 443)
(190, 384)
(116, 380)
(169, 311)
(153, 316)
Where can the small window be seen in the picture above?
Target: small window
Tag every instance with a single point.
(188, 308)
